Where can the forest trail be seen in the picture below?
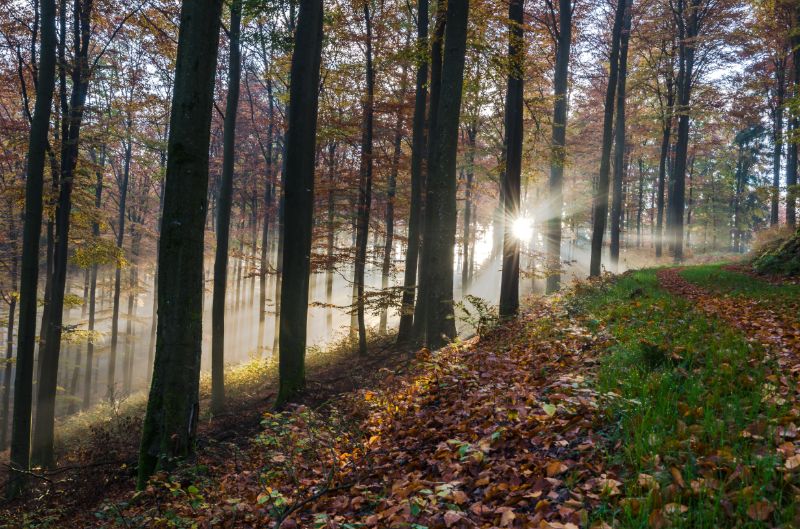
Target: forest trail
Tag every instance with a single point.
(775, 325)
(648, 399)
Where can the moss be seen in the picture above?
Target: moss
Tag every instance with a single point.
(781, 257)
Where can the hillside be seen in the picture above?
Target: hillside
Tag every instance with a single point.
(659, 398)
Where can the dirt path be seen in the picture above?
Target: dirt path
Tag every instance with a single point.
(776, 330)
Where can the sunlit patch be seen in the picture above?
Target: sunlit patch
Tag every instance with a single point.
(522, 228)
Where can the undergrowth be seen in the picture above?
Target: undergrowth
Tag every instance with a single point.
(719, 279)
(694, 421)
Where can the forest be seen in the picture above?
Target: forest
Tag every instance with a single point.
(418, 264)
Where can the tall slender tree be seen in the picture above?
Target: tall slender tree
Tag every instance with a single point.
(299, 196)
(509, 281)
(34, 186)
(619, 142)
(365, 180)
(417, 178)
(440, 204)
(600, 202)
(170, 424)
(224, 214)
(688, 17)
(43, 434)
(558, 143)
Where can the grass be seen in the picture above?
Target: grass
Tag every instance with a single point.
(718, 279)
(244, 383)
(693, 429)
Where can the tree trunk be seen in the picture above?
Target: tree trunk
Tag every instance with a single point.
(331, 233)
(687, 34)
(365, 186)
(12, 306)
(170, 424)
(440, 205)
(559, 137)
(123, 200)
(472, 133)
(509, 281)
(619, 144)
(98, 193)
(417, 178)
(224, 216)
(42, 443)
(791, 162)
(777, 137)
(299, 195)
(666, 133)
(600, 204)
(437, 43)
(391, 191)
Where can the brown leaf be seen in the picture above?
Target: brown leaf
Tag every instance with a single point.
(760, 510)
(676, 475)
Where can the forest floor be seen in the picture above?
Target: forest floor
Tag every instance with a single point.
(658, 398)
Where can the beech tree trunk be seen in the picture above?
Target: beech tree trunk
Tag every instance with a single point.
(299, 196)
(687, 32)
(404, 331)
(12, 307)
(619, 144)
(123, 200)
(509, 281)
(472, 133)
(437, 43)
(391, 191)
(558, 146)
(600, 202)
(42, 443)
(170, 424)
(98, 193)
(224, 216)
(365, 185)
(777, 138)
(791, 161)
(440, 204)
(666, 133)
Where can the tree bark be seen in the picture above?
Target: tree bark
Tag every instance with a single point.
(170, 424)
(98, 193)
(619, 144)
(558, 146)
(299, 196)
(440, 204)
(224, 216)
(437, 43)
(365, 185)
(123, 200)
(12, 307)
(509, 281)
(472, 133)
(600, 203)
(777, 137)
(687, 33)
(42, 443)
(404, 330)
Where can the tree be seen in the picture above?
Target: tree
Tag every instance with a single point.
(299, 196)
(600, 202)
(34, 186)
(558, 148)
(417, 158)
(619, 144)
(170, 423)
(440, 203)
(509, 282)
(224, 215)
(365, 181)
